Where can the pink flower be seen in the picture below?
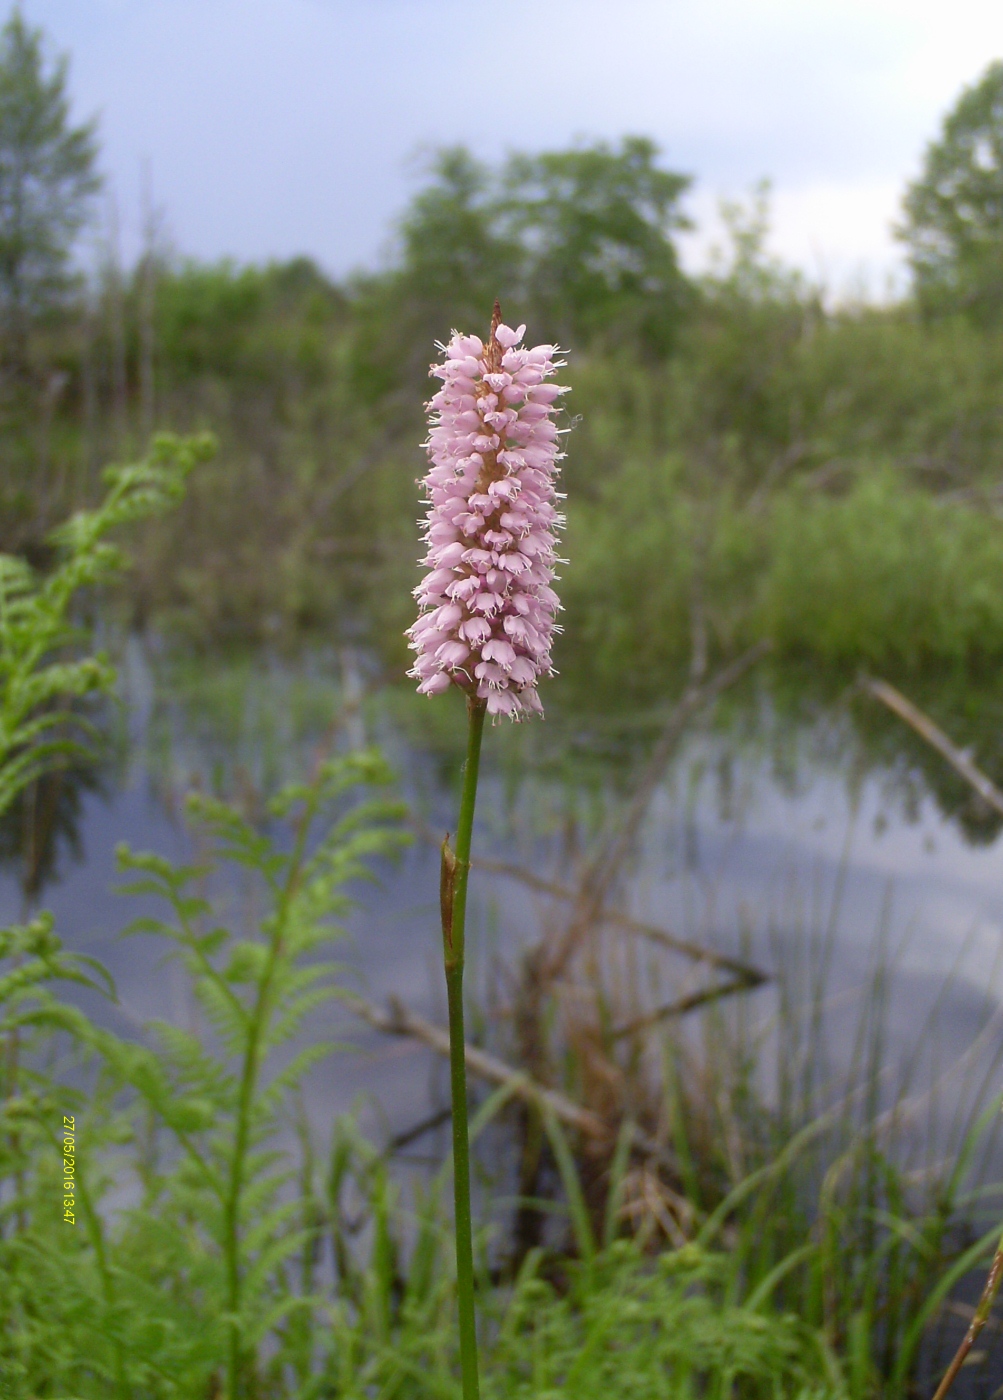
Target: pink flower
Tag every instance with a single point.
(487, 609)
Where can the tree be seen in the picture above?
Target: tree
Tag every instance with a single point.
(954, 211)
(597, 227)
(578, 243)
(47, 179)
(452, 261)
(453, 251)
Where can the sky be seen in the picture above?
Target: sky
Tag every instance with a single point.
(271, 128)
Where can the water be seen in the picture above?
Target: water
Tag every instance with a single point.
(763, 841)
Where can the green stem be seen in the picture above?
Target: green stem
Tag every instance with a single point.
(455, 869)
(257, 1025)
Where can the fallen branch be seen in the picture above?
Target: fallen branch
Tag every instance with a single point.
(409, 1135)
(936, 738)
(398, 1020)
(681, 1005)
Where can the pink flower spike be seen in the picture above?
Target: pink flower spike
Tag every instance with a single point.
(487, 610)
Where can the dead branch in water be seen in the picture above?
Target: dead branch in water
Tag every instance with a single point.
(751, 975)
(398, 1020)
(936, 738)
(681, 1005)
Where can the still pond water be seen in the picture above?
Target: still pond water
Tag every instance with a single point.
(763, 840)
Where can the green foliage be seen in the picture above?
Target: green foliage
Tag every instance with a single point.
(711, 413)
(258, 354)
(209, 1270)
(637, 1328)
(596, 226)
(47, 178)
(231, 322)
(817, 1271)
(220, 1098)
(954, 211)
(206, 1255)
(624, 1324)
(578, 243)
(455, 257)
(748, 462)
(704, 402)
(885, 575)
(44, 669)
(581, 241)
(40, 677)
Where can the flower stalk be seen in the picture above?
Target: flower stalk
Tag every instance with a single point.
(486, 624)
(453, 888)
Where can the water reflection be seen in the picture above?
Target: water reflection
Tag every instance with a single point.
(41, 831)
(796, 825)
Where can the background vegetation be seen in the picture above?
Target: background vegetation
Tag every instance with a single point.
(749, 463)
(825, 475)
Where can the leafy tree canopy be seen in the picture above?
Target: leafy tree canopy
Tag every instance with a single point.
(596, 225)
(47, 177)
(580, 242)
(954, 211)
(454, 253)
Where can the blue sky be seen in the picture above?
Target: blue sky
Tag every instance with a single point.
(274, 127)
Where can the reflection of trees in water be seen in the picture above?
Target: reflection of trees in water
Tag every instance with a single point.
(42, 827)
(247, 722)
(971, 715)
(813, 718)
(242, 724)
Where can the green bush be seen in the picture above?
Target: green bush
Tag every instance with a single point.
(886, 574)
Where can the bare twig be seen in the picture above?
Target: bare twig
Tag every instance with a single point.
(409, 1135)
(681, 1005)
(936, 738)
(697, 951)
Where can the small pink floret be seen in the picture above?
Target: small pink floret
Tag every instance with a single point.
(487, 609)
